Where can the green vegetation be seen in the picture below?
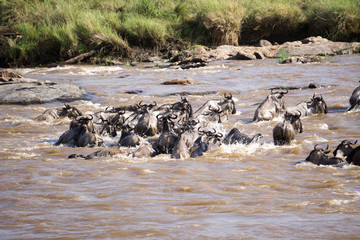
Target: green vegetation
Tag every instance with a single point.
(282, 55)
(56, 30)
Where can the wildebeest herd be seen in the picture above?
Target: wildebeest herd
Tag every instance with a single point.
(175, 129)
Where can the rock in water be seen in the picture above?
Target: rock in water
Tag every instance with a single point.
(15, 89)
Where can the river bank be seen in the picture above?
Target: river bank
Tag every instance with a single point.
(43, 32)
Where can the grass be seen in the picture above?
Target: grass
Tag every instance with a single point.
(56, 30)
(283, 55)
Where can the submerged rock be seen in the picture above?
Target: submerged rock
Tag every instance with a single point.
(179, 81)
(15, 89)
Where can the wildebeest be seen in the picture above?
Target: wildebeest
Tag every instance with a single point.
(80, 134)
(318, 156)
(237, 137)
(316, 105)
(206, 140)
(188, 132)
(270, 107)
(108, 122)
(180, 149)
(147, 124)
(168, 137)
(62, 112)
(344, 148)
(354, 156)
(355, 98)
(284, 133)
(223, 107)
(183, 111)
(146, 149)
(128, 138)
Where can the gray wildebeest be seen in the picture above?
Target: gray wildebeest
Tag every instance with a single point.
(355, 98)
(284, 133)
(180, 149)
(316, 105)
(128, 138)
(147, 124)
(206, 140)
(80, 134)
(223, 108)
(273, 104)
(168, 137)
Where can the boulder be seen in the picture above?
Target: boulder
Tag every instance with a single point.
(264, 43)
(15, 89)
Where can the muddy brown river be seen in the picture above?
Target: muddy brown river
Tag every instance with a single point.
(232, 192)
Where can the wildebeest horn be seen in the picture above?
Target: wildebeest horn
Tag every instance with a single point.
(287, 91)
(321, 97)
(316, 146)
(219, 135)
(353, 143)
(153, 105)
(228, 97)
(67, 106)
(326, 151)
(313, 97)
(184, 99)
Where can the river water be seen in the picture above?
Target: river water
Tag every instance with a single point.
(233, 192)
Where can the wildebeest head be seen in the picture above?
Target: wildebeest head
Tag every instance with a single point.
(279, 97)
(230, 104)
(295, 121)
(211, 137)
(317, 105)
(112, 123)
(183, 107)
(69, 111)
(86, 121)
(214, 114)
(147, 124)
(166, 120)
(344, 148)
